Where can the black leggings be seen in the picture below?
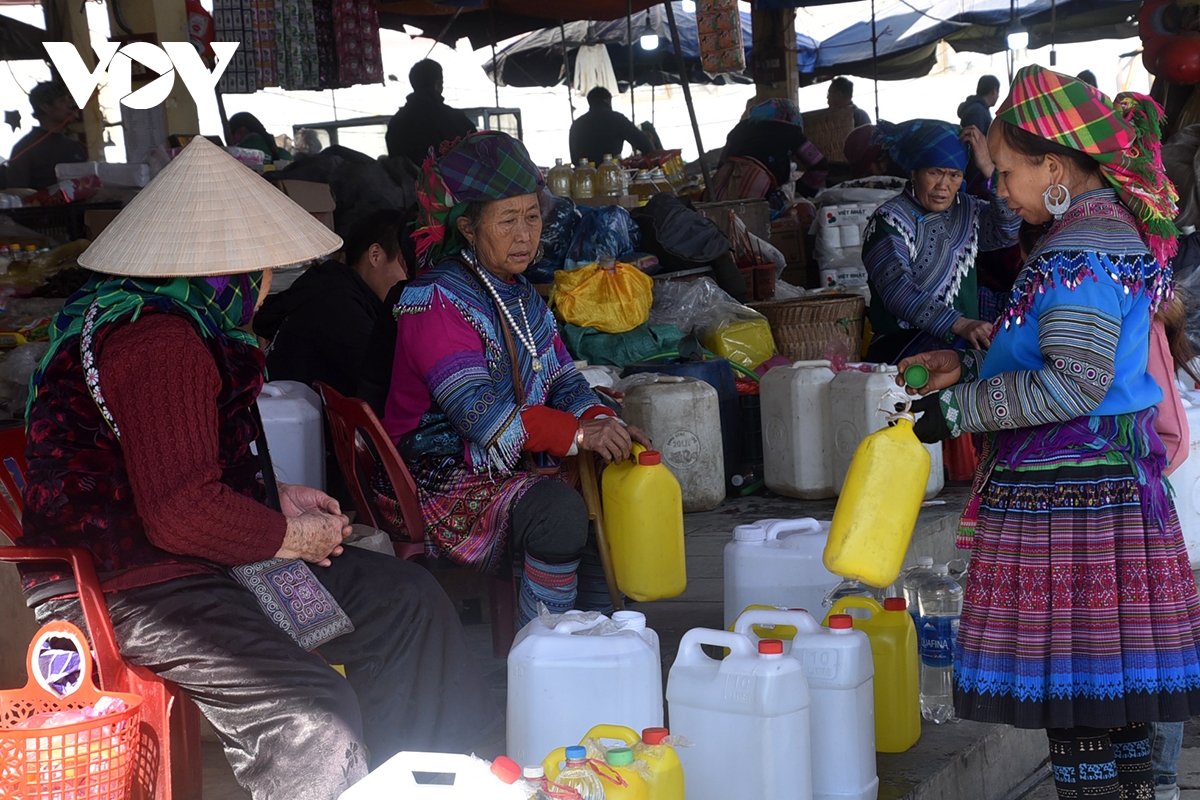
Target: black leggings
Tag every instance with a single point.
(550, 522)
(1099, 764)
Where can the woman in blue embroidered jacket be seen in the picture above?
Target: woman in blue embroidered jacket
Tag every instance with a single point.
(466, 426)
(920, 246)
(1080, 614)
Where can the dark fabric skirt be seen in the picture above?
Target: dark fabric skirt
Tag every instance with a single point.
(1077, 610)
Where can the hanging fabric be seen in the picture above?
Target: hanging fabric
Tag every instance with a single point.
(720, 30)
(594, 68)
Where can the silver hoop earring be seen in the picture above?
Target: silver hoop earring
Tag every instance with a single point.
(539, 255)
(1057, 199)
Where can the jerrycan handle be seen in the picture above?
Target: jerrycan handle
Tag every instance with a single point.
(802, 621)
(619, 732)
(807, 524)
(854, 601)
(691, 654)
(412, 762)
(553, 762)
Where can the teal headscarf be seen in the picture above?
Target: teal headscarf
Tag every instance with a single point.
(218, 306)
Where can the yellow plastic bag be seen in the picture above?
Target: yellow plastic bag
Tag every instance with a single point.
(612, 299)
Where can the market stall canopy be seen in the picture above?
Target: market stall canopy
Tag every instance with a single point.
(486, 22)
(908, 32)
(537, 59)
(19, 41)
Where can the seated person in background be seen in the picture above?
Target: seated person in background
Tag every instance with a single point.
(841, 95)
(157, 479)
(773, 134)
(482, 384)
(318, 328)
(425, 121)
(246, 131)
(602, 131)
(34, 157)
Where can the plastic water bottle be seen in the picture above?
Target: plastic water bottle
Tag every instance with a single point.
(579, 776)
(940, 598)
(913, 578)
(534, 776)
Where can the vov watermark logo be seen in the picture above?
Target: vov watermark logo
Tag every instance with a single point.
(167, 60)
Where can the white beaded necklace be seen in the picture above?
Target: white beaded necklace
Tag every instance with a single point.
(526, 335)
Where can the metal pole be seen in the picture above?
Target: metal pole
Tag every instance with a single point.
(875, 59)
(687, 90)
(562, 32)
(492, 36)
(629, 36)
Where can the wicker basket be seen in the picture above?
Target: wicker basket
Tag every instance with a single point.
(804, 327)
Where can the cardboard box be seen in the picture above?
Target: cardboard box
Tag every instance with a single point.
(315, 198)
(755, 213)
(97, 219)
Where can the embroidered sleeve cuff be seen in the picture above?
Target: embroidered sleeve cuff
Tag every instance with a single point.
(970, 362)
(950, 411)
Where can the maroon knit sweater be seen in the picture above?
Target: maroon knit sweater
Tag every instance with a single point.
(176, 494)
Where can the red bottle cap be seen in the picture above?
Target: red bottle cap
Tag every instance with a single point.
(770, 647)
(840, 622)
(507, 770)
(895, 604)
(655, 735)
(649, 458)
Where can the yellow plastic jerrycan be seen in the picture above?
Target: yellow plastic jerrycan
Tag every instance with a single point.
(643, 521)
(623, 781)
(897, 679)
(666, 773)
(877, 509)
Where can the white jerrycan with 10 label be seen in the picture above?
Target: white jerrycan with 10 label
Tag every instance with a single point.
(857, 400)
(840, 672)
(683, 418)
(777, 562)
(747, 717)
(797, 431)
(566, 679)
(291, 416)
(396, 777)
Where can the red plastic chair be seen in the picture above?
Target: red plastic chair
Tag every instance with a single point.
(358, 438)
(169, 763)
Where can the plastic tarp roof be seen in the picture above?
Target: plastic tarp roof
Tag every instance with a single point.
(537, 59)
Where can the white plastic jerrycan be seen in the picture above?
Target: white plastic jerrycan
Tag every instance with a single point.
(858, 409)
(777, 562)
(797, 430)
(840, 672)
(579, 671)
(473, 780)
(683, 418)
(747, 715)
(291, 415)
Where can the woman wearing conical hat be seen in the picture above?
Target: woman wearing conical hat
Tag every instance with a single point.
(1080, 612)
(141, 419)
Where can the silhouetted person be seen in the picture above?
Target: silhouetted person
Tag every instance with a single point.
(977, 108)
(1088, 77)
(425, 121)
(841, 95)
(39, 151)
(603, 131)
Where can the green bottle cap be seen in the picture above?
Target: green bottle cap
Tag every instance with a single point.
(916, 376)
(619, 757)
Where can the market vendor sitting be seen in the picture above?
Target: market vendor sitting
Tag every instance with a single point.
(920, 246)
(141, 422)
(773, 134)
(482, 383)
(34, 157)
(319, 327)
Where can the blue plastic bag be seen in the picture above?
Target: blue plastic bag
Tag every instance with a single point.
(558, 229)
(604, 230)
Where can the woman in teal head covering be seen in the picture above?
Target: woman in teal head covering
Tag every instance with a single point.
(920, 247)
(482, 386)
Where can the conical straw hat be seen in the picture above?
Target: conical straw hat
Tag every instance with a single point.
(206, 214)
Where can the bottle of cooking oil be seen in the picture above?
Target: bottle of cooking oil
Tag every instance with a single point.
(609, 175)
(583, 181)
(560, 179)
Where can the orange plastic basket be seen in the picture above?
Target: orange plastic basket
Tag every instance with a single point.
(92, 760)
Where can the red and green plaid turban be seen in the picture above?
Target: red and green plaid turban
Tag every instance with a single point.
(488, 165)
(1123, 135)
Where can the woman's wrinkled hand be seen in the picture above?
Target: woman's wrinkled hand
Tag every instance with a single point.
(944, 367)
(973, 138)
(314, 536)
(977, 332)
(295, 500)
(609, 438)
